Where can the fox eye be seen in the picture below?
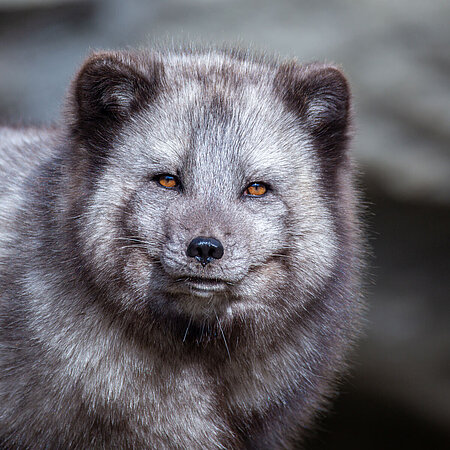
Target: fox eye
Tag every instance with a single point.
(256, 190)
(167, 181)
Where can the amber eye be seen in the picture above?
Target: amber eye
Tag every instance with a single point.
(167, 181)
(256, 189)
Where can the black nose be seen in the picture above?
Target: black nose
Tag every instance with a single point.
(204, 249)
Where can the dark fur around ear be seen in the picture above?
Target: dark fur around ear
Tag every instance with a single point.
(319, 95)
(108, 89)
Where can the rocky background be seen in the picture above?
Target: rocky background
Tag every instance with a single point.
(397, 56)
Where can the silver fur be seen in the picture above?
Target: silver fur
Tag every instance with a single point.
(109, 338)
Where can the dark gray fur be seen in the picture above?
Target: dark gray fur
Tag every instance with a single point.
(106, 340)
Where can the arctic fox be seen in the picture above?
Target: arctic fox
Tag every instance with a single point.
(180, 257)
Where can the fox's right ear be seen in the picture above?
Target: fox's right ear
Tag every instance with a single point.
(109, 88)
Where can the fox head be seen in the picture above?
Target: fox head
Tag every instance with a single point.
(208, 185)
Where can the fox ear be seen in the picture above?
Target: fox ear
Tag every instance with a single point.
(319, 95)
(111, 86)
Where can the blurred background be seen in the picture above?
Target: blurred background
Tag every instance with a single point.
(396, 54)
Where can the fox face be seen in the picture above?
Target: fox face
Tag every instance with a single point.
(199, 180)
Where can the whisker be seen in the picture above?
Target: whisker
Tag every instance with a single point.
(141, 241)
(187, 328)
(223, 335)
(143, 247)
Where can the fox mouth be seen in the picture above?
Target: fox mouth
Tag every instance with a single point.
(206, 284)
(202, 287)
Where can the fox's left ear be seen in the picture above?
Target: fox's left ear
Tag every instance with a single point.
(320, 96)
